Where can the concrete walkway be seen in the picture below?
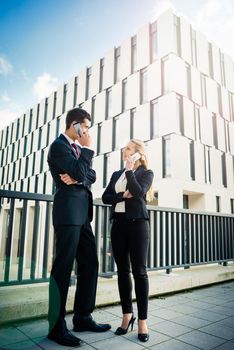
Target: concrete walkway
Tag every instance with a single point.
(197, 319)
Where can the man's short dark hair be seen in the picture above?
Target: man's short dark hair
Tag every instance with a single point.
(76, 115)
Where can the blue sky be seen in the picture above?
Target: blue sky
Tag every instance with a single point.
(44, 43)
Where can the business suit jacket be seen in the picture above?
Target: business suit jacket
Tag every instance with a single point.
(73, 204)
(138, 184)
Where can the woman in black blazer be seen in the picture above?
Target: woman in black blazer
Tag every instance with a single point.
(127, 192)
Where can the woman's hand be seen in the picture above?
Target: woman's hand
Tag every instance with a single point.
(129, 164)
(67, 179)
(127, 194)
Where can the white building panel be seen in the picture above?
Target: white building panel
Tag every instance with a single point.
(81, 91)
(21, 125)
(21, 148)
(94, 82)
(30, 165)
(34, 117)
(180, 150)
(231, 137)
(37, 162)
(133, 91)
(88, 106)
(168, 117)
(123, 130)
(175, 75)
(27, 122)
(206, 127)
(29, 141)
(35, 140)
(22, 168)
(188, 113)
(199, 162)
(229, 72)
(212, 95)
(41, 112)
(50, 108)
(225, 104)
(154, 156)
(116, 99)
(16, 178)
(59, 104)
(93, 134)
(70, 94)
(108, 69)
(221, 133)
(106, 136)
(49, 183)
(62, 124)
(165, 29)
(216, 63)
(125, 58)
(141, 128)
(154, 80)
(229, 171)
(45, 156)
(185, 35)
(216, 167)
(100, 107)
(44, 135)
(98, 167)
(143, 47)
(52, 134)
(113, 163)
(202, 53)
(40, 183)
(196, 86)
(32, 184)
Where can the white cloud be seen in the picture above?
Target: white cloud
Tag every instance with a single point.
(5, 66)
(8, 115)
(44, 85)
(215, 19)
(5, 98)
(24, 74)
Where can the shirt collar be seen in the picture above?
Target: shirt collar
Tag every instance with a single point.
(71, 141)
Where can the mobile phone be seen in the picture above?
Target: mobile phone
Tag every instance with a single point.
(136, 156)
(78, 129)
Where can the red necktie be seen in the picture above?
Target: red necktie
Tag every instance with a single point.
(74, 145)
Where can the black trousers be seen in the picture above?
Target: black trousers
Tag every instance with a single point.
(73, 242)
(130, 241)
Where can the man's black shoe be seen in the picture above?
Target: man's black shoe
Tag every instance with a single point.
(64, 338)
(88, 324)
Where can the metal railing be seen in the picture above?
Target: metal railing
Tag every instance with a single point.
(178, 238)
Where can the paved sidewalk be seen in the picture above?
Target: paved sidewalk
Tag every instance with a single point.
(198, 319)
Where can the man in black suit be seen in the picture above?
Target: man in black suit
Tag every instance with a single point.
(70, 167)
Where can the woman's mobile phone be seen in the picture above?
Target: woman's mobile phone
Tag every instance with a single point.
(136, 156)
(78, 129)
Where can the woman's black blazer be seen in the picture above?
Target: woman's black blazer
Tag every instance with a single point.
(138, 184)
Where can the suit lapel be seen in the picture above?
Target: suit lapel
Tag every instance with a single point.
(63, 139)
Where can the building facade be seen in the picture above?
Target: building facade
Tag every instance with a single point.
(167, 86)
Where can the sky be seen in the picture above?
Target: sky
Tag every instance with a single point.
(44, 43)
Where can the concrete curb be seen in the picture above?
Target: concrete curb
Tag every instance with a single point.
(18, 303)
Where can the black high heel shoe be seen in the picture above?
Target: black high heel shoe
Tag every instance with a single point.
(144, 337)
(121, 331)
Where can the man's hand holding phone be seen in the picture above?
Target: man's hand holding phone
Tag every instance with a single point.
(83, 137)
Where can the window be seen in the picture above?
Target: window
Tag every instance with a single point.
(101, 74)
(134, 54)
(108, 102)
(217, 204)
(197, 122)
(132, 116)
(55, 102)
(39, 138)
(231, 108)
(89, 73)
(185, 201)
(203, 90)
(179, 111)
(194, 48)
(117, 64)
(64, 97)
(46, 110)
(93, 110)
(99, 138)
(154, 42)
(105, 168)
(215, 134)
(144, 87)
(232, 205)
(166, 156)
(192, 162)
(115, 143)
(189, 81)
(154, 120)
(75, 91)
(223, 78)
(124, 95)
(224, 170)
(207, 164)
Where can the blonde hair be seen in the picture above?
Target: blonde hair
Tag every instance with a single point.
(140, 148)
